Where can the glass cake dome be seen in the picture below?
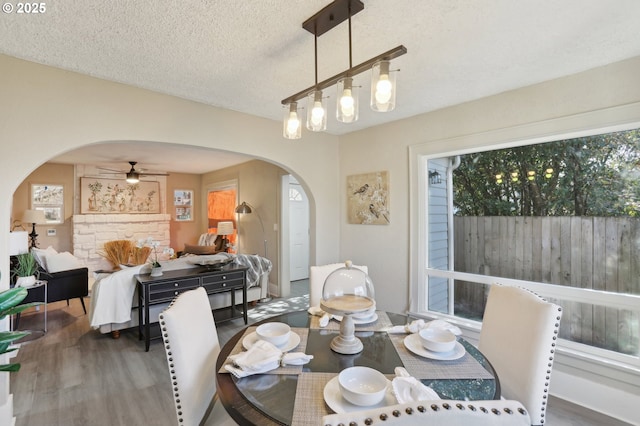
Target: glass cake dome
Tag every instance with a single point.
(348, 290)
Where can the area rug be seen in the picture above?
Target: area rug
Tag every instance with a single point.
(278, 306)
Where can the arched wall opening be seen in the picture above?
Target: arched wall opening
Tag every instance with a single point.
(74, 109)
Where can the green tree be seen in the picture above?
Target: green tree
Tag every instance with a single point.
(588, 176)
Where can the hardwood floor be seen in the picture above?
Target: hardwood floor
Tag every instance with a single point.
(76, 376)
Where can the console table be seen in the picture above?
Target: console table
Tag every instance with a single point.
(163, 289)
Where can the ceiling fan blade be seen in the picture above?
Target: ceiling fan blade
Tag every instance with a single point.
(111, 170)
(153, 174)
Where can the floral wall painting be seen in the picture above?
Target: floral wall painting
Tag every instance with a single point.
(111, 196)
(368, 198)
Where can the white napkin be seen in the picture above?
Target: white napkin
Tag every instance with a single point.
(418, 325)
(325, 317)
(409, 389)
(261, 357)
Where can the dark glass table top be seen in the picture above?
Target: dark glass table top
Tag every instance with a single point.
(269, 398)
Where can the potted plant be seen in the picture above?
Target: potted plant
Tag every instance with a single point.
(9, 300)
(26, 270)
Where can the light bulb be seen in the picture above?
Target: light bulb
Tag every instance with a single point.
(317, 113)
(293, 123)
(346, 103)
(383, 89)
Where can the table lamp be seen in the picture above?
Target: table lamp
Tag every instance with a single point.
(34, 217)
(224, 229)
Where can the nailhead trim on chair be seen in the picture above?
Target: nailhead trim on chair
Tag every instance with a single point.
(174, 378)
(435, 407)
(556, 331)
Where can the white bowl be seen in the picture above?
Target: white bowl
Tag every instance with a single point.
(276, 333)
(437, 339)
(362, 386)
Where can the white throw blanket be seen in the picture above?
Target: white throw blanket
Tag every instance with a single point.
(112, 296)
(257, 265)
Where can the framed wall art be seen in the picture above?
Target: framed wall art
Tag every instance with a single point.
(113, 196)
(368, 198)
(183, 204)
(50, 199)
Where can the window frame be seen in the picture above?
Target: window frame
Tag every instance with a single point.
(612, 365)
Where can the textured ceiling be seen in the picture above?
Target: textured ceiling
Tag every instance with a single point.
(248, 56)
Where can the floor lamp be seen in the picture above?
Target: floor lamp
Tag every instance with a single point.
(34, 217)
(245, 208)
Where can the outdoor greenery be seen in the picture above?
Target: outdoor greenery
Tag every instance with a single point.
(588, 176)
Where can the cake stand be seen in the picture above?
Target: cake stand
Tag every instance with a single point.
(347, 306)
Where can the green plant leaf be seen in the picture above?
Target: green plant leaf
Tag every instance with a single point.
(10, 336)
(12, 297)
(18, 309)
(10, 368)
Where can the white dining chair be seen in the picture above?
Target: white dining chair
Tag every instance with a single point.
(437, 413)
(518, 337)
(192, 347)
(317, 276)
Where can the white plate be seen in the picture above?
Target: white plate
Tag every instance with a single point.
(251, 338)
(335, 401)
(413, 343)
(360, 321)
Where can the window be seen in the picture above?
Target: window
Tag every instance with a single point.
(560, 217)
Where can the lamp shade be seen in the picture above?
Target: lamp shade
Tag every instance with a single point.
(291, 126)
(34, 216)
(243, 208)
(347, 104)
(18, 243)
(316, 112)
(383, 87)
(225, 228)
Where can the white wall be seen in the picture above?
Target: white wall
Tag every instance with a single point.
(45, 112)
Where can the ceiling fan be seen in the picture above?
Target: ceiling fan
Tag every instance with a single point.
(133, 175)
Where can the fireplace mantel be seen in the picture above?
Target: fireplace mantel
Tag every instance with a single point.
(91, 231)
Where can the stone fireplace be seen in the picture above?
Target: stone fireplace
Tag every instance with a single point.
(91, 231)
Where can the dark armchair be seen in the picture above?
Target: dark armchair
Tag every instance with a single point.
(66, 285)
(62, 285)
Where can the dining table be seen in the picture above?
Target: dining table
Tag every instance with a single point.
(302, 395)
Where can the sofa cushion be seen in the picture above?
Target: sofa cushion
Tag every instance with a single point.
(41, 256)
(64, 261)
(193, 249)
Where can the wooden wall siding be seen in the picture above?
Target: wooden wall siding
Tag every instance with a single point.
(587, 252)
(438, 237)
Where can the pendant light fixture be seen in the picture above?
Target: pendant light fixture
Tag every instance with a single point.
(291, 123)
(383, 83)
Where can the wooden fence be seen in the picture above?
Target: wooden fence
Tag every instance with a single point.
(587, 252)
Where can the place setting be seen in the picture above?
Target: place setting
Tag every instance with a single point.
(433, 350)
(355, 389)
(268, 348)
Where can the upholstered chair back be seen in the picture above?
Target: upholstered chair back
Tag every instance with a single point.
(317, 276)
(437, 413)
(192, 347)
(519, 335)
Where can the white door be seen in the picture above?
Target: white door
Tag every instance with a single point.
(298, 231)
